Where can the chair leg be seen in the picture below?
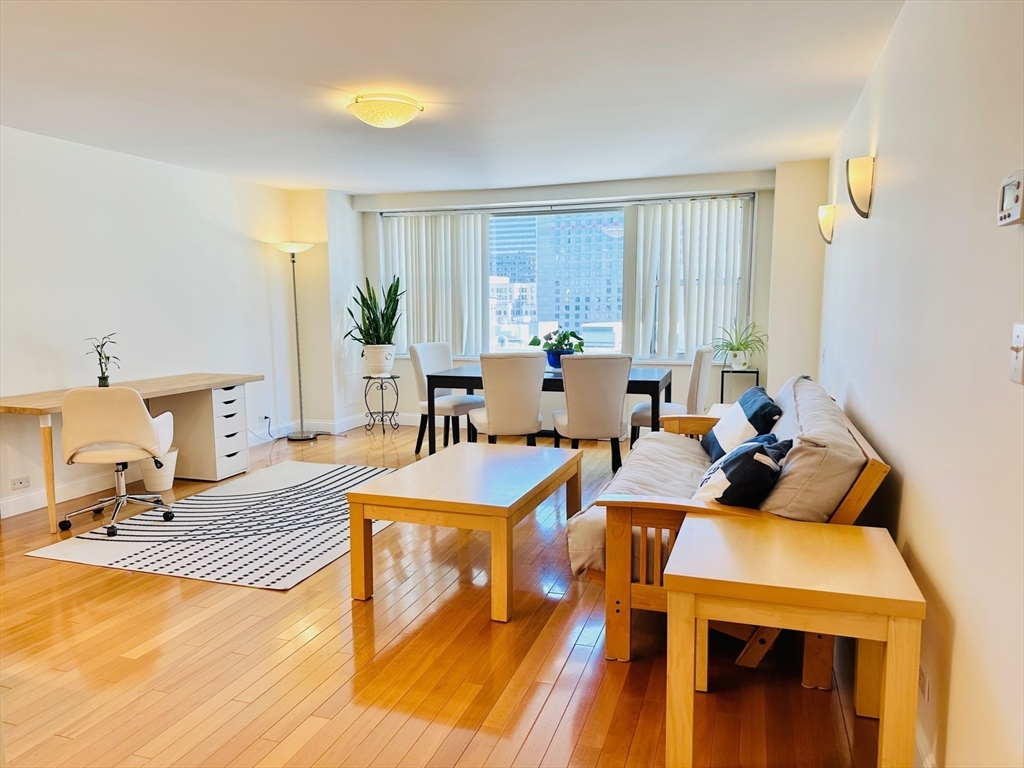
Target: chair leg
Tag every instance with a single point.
(575, 443)
(634, 435)
(558, 440)
(492, 439)
(470, 430)
(616, 455)
(455, 430)
(422, 433)
(531, 440)
(447, 426)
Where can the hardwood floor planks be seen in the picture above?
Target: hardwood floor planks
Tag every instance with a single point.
(109, 668)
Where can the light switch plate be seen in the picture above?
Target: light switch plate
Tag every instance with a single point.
(1017, 353)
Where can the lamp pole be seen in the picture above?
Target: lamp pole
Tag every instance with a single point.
(301, 435)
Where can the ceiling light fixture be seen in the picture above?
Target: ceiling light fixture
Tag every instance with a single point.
(384, 110)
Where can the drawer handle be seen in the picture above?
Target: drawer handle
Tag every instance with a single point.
(227, 389)
(229, 415)
(233, 434)
(231, 455)
(229, 402)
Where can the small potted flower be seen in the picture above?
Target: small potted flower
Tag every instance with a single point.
(558, 343)
(737, 345)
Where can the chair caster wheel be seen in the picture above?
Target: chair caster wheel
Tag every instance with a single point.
(168, 515)
(64, 525)
(111, 530)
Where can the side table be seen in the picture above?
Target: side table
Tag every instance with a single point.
(730, 371)
(386, 418)
(835, 579)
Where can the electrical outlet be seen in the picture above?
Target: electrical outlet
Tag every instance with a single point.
(264, 417)
(1017, 354)
(924, 685)
(17, 483)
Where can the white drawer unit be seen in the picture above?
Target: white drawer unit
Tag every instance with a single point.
(210, 432)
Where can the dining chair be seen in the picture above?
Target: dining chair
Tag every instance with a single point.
(595, 398)
(512, 388)
(430, 357)
(111, 425)
(696, 395)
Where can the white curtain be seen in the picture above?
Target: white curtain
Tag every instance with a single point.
(691, 261)
(442, 260)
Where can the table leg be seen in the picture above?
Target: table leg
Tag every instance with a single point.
(46, 437)
(431, 437)
(655, 410)
(668, 392)
(680, 672)
(501, 569)
(574, 493)
(867, 678)
(470, 429)
(361, 553)
(899, 693)
(700, 671)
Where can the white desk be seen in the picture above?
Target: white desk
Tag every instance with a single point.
(45, 404)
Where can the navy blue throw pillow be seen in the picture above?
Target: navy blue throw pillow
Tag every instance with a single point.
(753, 414)
(746, 475)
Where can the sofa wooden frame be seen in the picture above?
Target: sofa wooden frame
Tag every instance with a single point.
(662, 516)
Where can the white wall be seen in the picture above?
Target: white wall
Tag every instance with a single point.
(918, 306)
(798, 264)
(173, 260)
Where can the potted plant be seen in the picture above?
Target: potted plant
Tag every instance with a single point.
(99, 348)
(736, 345)
(375, 327)
(558, 343)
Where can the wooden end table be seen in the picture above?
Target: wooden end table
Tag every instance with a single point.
(834, 579)
(472, 486)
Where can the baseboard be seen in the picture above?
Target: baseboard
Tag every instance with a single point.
(923, 754)
(17, 504)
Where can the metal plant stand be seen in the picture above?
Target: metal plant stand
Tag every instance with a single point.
(386, 418)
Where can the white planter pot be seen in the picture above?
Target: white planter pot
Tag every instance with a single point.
(379, 359)
(738, 361)
(161, 479)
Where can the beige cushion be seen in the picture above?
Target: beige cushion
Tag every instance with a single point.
(561, 420)
(641, 415)
(453, 405)
(825, 460)
(660, 464)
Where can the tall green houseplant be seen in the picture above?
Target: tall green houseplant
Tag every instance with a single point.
(375, 327)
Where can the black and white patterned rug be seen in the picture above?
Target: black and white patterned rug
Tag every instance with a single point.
(271, 528)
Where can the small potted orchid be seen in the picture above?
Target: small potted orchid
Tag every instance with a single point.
(558, 343)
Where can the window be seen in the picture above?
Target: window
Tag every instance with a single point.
(527, 272)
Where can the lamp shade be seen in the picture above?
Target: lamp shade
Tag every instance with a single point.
(293, 247)
(384, 110)
(860, 183)
(826, 222)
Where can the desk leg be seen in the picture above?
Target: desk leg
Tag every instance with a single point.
(46, 437)
(899, 693)
(361, 554)
(501, 569)
(431, 437)
(680, 673)
(655, 411)
(574, 492)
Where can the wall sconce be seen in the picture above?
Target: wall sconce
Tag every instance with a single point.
(826, 222)
(860, 183)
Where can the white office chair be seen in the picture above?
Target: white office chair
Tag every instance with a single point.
(512, 387)
(696, 395)
(595, 398)
(431, 357)
(110, 425)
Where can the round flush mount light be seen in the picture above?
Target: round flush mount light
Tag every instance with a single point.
(384, 110)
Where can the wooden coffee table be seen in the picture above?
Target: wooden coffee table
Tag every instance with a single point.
(472, 486)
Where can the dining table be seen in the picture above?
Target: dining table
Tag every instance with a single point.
(643, 380)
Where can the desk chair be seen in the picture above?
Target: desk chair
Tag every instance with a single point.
(512, 387)
(595, 396)
(111, 425)
(430, 357)
(696, 395)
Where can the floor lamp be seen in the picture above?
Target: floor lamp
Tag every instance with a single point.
(292, 249)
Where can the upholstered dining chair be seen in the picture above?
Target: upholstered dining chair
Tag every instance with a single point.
(696, 395)
(430, 357)
(111, 425)
(512, 387)
(595, 398)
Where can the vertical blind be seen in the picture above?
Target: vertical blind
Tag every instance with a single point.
(692, 264)
(441, 259)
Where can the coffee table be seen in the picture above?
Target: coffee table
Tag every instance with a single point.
(472, 486)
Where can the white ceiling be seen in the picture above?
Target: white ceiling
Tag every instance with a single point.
(516, 93)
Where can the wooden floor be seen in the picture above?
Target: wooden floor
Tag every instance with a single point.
(103, 667)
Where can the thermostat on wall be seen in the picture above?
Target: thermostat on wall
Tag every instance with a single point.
(1009, 199)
